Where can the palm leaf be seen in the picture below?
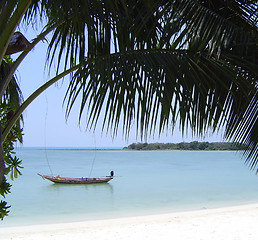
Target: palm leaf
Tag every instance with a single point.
(142, 85)
(192, 61)
(13, 95)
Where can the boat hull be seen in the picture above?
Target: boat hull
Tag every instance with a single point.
(57, 179)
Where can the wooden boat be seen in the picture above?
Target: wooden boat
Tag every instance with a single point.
(58, 179)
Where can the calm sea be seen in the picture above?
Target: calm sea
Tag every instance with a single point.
(146, 182)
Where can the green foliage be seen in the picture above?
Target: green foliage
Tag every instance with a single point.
(11, 161)
(10, 102)
(195, 145)
(5, 187)
(3, 209)
(192, 62)
(13, 164)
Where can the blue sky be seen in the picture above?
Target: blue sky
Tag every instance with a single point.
(45, 124)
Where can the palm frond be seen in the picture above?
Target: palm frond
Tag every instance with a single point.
(160, 84)
(242, 127)
(93, 28)
(12, 97)
(192, 61)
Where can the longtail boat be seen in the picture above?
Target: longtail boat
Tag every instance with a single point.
(58, 179)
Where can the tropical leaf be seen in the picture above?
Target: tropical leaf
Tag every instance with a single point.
(91, 28)
(12, 96)
(192, 61)
(172, 84)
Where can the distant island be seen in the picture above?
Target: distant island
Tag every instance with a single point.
(218, 146)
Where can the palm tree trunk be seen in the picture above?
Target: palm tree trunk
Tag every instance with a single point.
(16, 116)
(5, 81)
(11, 15)
(31, 98)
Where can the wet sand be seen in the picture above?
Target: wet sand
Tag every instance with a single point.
(230, 223)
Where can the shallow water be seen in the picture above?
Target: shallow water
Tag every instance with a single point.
(146, 182)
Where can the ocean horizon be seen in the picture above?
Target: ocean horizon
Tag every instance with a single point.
(146, 182)
(68, 148)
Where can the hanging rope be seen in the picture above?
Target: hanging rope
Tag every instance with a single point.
(45, 136)
(94, 158)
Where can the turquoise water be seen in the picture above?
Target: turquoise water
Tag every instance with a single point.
(147, 182)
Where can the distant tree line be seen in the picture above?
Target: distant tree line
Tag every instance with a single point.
(195, 145)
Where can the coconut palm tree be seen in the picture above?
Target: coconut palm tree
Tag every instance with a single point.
(159, 62)
(150, 62)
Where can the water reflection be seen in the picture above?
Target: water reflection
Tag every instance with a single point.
(92, 186)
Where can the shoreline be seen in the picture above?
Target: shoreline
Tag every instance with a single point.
(231, 223)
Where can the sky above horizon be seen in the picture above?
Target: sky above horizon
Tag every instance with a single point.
(44, 119)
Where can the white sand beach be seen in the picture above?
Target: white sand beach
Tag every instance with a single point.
(230, 223)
